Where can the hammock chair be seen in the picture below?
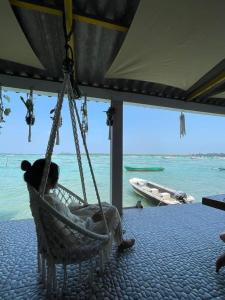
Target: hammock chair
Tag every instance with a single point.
(59, 240)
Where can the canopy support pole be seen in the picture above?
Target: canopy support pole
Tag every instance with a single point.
(116, 156)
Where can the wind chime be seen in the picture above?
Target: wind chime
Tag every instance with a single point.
(4, 112)
(182, 125)
(109, 121)
(52, 113)
(29, 118)
(84, 114)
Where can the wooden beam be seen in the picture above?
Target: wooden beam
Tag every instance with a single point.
(68, 8)
(42, 86)
(208, 86)
(79, 18)
(36, 7)
(116, 157)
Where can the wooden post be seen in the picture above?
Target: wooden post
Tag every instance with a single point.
(116, 156)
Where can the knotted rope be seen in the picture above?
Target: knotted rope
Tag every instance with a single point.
(52, 136)
(70, 89)
(74, 106)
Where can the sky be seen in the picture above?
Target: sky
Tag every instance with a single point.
(146, 130)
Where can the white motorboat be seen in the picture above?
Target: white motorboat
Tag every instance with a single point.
(158, 193)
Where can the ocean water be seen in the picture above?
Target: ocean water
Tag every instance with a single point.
(198, 177)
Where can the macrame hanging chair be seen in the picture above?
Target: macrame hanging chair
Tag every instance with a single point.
(61, 241)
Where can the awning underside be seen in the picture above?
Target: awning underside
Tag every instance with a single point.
(14, 45)
(172, 42)
(179, 47)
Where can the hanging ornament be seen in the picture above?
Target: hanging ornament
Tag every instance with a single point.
(4, 112)
(52, 111)
(84, 113)
(109, 122)
(29, 118)
(1, 107)
(182, 125)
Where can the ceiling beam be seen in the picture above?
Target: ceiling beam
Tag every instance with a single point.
(53, 88)
(79, 18)
(208, 87)
(68, 9)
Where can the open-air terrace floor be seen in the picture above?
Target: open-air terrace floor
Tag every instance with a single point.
(173, 258)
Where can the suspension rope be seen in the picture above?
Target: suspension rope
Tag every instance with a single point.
(70, 87)
(59, 125)
(52, 137)
(76, 141)
(72, 99)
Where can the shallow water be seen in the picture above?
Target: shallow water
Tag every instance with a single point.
(198, 177)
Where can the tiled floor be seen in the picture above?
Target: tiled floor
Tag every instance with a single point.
(174, 258)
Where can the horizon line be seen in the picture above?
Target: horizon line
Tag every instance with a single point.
(105, 153)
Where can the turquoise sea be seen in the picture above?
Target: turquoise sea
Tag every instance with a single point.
(198, 177)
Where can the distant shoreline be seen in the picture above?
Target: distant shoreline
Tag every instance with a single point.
(131, 154)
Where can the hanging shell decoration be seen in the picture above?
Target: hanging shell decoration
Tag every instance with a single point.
(182, 125)
(109, 121)
(29, 118)
(52, 112)
(4, 111)
(84, 113)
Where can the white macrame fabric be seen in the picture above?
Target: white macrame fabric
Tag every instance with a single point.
(61, 241)
(182, 125)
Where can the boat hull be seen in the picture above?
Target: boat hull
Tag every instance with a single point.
(150, 169)
(148, 197)
(159, 194)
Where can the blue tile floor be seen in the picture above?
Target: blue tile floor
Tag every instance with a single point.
(173, 258)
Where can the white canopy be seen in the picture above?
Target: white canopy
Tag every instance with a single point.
(14, 45)
(220, 95)
(172, 42)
